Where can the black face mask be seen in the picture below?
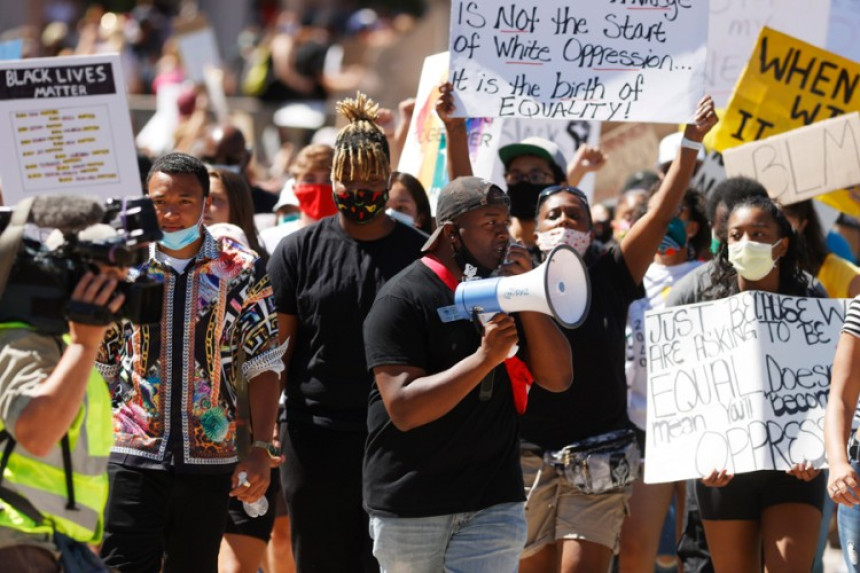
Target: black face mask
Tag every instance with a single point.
(463, 257)
(524, 197)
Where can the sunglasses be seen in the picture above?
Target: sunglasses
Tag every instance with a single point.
(553, 189)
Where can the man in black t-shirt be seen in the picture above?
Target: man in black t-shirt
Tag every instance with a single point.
(442, 480)
(325, 278)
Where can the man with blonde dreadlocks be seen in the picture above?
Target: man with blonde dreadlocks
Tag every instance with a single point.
(325, 279)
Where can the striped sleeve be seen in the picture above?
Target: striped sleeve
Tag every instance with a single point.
(852, 319)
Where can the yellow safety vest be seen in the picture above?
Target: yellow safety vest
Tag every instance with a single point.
(73, 507)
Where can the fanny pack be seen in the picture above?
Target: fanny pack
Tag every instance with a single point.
(599, 464)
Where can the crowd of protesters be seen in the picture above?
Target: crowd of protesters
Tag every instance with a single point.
(301, 358)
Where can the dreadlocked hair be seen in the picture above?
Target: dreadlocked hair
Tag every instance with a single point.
(361, 149)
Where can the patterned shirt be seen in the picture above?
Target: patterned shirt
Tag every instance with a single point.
(173, 383)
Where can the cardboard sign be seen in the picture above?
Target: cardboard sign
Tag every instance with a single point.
(804, 162)
(622, 60)
(787, 84)
(734, 25)
(66, 128)
(739, 384)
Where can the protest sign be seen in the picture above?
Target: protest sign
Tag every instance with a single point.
(843, 34)
(710, 174)
(786, 84)
(67, 128)
(734, 25)
(804, 162)
(198, 49)
(424, 153)
(623, 60)
(739, 384)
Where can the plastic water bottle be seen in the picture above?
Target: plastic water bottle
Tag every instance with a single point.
(257, 508)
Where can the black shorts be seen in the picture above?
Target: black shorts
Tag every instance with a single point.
(240, 523)
(747, 495)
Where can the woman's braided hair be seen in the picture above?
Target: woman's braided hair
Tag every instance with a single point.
(360, 150)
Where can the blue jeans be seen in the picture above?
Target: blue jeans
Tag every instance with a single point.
(488, 541)
(848, 519)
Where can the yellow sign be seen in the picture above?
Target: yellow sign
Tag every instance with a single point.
(787, 84)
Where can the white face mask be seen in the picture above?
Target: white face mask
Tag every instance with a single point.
(548, 240)
(752, 260)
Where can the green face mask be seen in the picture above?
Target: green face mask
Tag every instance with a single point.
(715, 245)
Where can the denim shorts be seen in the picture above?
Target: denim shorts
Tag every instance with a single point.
(485, 541)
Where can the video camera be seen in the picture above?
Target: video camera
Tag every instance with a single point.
(42, 278)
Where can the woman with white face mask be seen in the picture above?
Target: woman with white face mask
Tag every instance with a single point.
(768, 513)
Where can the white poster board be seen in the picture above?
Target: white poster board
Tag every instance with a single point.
(739, 384)
(424, 152)
(66, 128)
(804, 162)
(199, 50)
(578, 59)
(734, 26)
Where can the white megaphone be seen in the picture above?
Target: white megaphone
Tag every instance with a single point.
(559, 287)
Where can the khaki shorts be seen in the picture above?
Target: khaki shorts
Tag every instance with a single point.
(555, 510)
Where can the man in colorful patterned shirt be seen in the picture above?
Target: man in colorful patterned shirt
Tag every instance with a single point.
(174, 385)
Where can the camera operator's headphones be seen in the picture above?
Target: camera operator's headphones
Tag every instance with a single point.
(10, 239)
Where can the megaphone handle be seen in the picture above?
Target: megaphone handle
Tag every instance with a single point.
(486, 391)
(479, 320)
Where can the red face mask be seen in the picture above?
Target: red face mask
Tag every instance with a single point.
(315, 199)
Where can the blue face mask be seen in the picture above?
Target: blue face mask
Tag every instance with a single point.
(177, 240)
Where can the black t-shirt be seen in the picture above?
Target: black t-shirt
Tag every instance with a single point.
(596, 402)
(329, 281)
(466, 460)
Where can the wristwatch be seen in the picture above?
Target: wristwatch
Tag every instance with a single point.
(274, 452)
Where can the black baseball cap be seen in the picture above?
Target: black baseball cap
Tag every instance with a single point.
(462, 195)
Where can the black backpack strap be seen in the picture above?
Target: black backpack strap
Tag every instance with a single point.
(13, 498)
(7, 451)
(67, 469)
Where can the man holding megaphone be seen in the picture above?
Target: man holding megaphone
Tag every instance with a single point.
(442, 481)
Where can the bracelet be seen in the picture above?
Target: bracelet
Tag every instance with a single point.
(690, 144)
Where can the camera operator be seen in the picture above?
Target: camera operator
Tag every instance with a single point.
(56, 430)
